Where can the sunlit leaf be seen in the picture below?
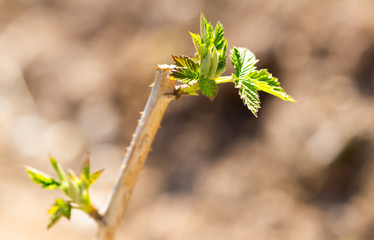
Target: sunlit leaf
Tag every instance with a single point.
(208, 87)
(250, 81)
(94, 176)
(265, 82)
(243, 61)
(187, 69)
(43, 179)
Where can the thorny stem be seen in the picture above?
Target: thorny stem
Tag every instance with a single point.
(162, 94)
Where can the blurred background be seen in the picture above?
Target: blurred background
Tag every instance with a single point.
(74, 76)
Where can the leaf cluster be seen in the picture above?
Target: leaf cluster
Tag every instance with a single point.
(203, 71)
(75, 187)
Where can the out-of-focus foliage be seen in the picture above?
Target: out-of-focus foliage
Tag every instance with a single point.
(76, 188)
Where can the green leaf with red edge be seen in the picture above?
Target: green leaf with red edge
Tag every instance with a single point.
(94, 176)
(86, 168)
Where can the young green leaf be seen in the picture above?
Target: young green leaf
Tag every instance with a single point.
(267, 83)
(206, 30)
(196, 39)
(214, 62)
(250, 81)
(187, 69)
(73, 188)
(60, 208)
(219, 37)
(86, 176)
(208, 87)
(205, 59)
(59, 170)
(94, 176)
(43, 179)
(243, 61)
(85, 172)
(248, 92)
(221, 68)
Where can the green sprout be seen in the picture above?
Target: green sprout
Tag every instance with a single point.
(203, 71)
(76, 188)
